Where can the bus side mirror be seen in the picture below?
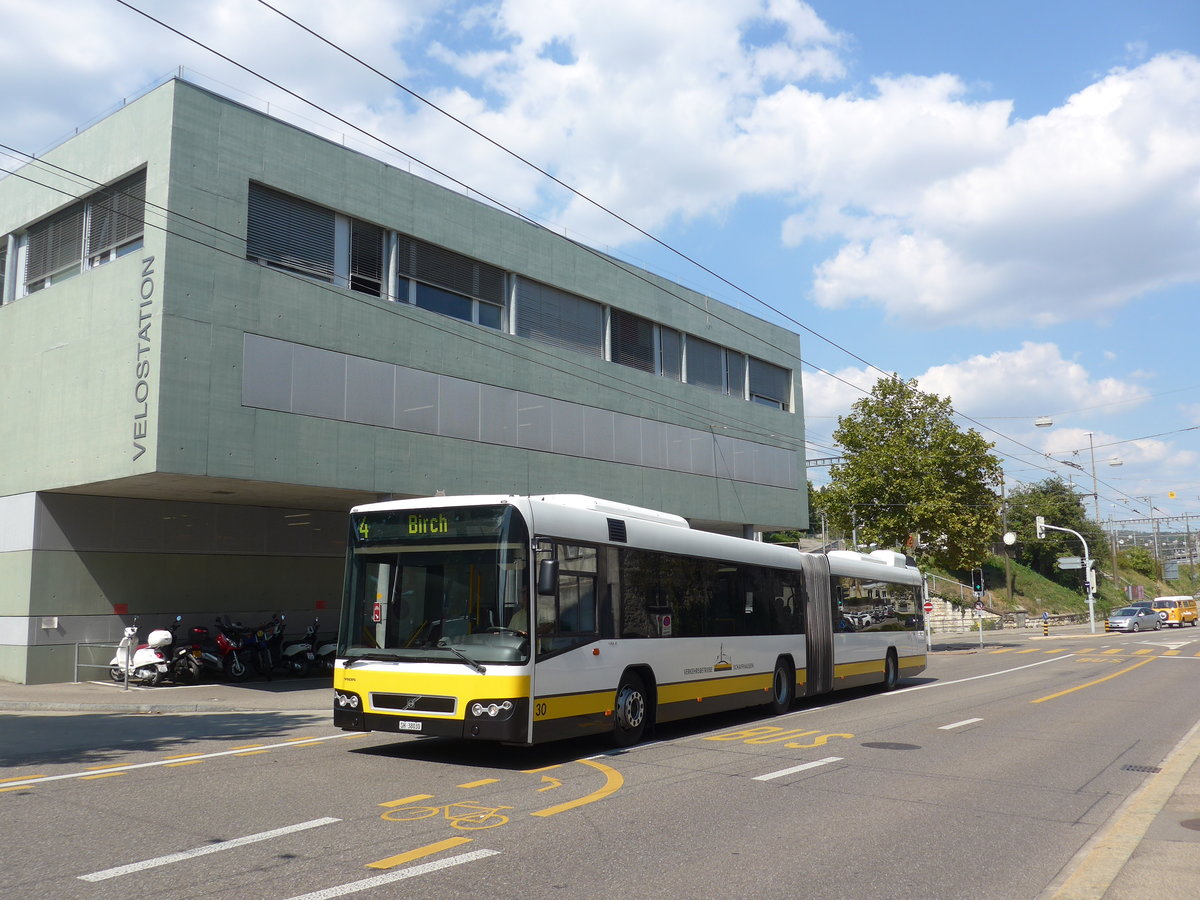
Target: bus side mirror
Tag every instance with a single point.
(547, 582)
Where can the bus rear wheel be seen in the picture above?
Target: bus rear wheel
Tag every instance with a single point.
(783, 689)
(629, 713)
(891, 671)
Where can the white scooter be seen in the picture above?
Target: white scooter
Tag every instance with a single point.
(143, 663)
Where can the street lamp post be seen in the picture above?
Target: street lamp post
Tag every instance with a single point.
(1088, 575)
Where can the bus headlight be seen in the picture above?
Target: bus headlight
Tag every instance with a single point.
(345, 699)
(492, 709)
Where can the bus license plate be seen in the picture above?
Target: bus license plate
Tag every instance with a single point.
(408, 726)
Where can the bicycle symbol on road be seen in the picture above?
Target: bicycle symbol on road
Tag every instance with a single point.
(465, 816)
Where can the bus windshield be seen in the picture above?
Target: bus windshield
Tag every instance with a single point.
(437, 585)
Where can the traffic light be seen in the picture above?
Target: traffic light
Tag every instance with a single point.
(1040, 521)
(977, 581)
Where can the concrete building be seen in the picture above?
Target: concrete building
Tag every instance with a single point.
(220, 331)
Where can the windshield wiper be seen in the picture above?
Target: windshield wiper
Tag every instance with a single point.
(381, 657)
(442, 645)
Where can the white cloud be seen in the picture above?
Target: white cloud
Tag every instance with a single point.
(948, 209)
(1088, 207)
(1006, 390)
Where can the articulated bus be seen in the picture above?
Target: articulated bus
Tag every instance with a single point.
(529, 619)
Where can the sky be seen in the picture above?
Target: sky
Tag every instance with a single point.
(1001, 201)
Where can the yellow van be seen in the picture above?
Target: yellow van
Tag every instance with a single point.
(1177, 611)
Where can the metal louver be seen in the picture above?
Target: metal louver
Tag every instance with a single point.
(290, 233)
(55, 243)
(117, 215)
(452, 271)
(616, 531)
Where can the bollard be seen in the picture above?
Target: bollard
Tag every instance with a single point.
(1045, 628)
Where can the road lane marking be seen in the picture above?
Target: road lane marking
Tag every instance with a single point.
(959, 724)
(1004, 650)
(101, 775)
(403, 800)
(612, 784)
(424, 869)
(1080, 687)
(933, 684)
(42, 779)
(480, 783)
(420, 853)
(117, 871)
(791, 771)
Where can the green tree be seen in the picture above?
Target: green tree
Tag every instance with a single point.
(1140, 560)
(909, 470)
(1055, 500)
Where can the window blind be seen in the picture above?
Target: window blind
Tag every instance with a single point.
(54, 244)
(769, 383)
(289, 232)
(633, 341)
(453, 271)
(117, 214)
(556, 317)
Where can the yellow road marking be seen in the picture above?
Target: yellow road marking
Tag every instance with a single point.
(1087, 650)
(1061, 650)
(190, 762)
(1090, 683)
(542, 769)
(19, 787)
(181, 756)
(612, 785)
(420, 852)
(102, 775)
(1034, 650)
(246, 747)
(1171, 653)
(553, 783)
(101, 768)
(1004, 650)
(252, 753)
(20, 778)
(1114, 650)
(1141, 652)
(413, 799)
(480, 783)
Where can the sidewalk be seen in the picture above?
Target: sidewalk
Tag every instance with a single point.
(309, 695)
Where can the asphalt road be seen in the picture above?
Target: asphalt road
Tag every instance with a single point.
(983, 778)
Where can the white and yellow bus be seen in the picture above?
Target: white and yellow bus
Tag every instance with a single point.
(529, 619)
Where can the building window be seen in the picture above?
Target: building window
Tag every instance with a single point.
(54, 248)
(366, 258)
(769, 384)
(671, 347)
(115, 219)
(735, 374)
(291, 234)
(633, 342)
(451, 284)
(558, 318)
(705, 364)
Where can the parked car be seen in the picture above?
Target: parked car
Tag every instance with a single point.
(1134, 618)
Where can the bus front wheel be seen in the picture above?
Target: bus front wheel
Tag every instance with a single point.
(629, 714)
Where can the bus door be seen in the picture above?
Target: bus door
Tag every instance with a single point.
(818, 624)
